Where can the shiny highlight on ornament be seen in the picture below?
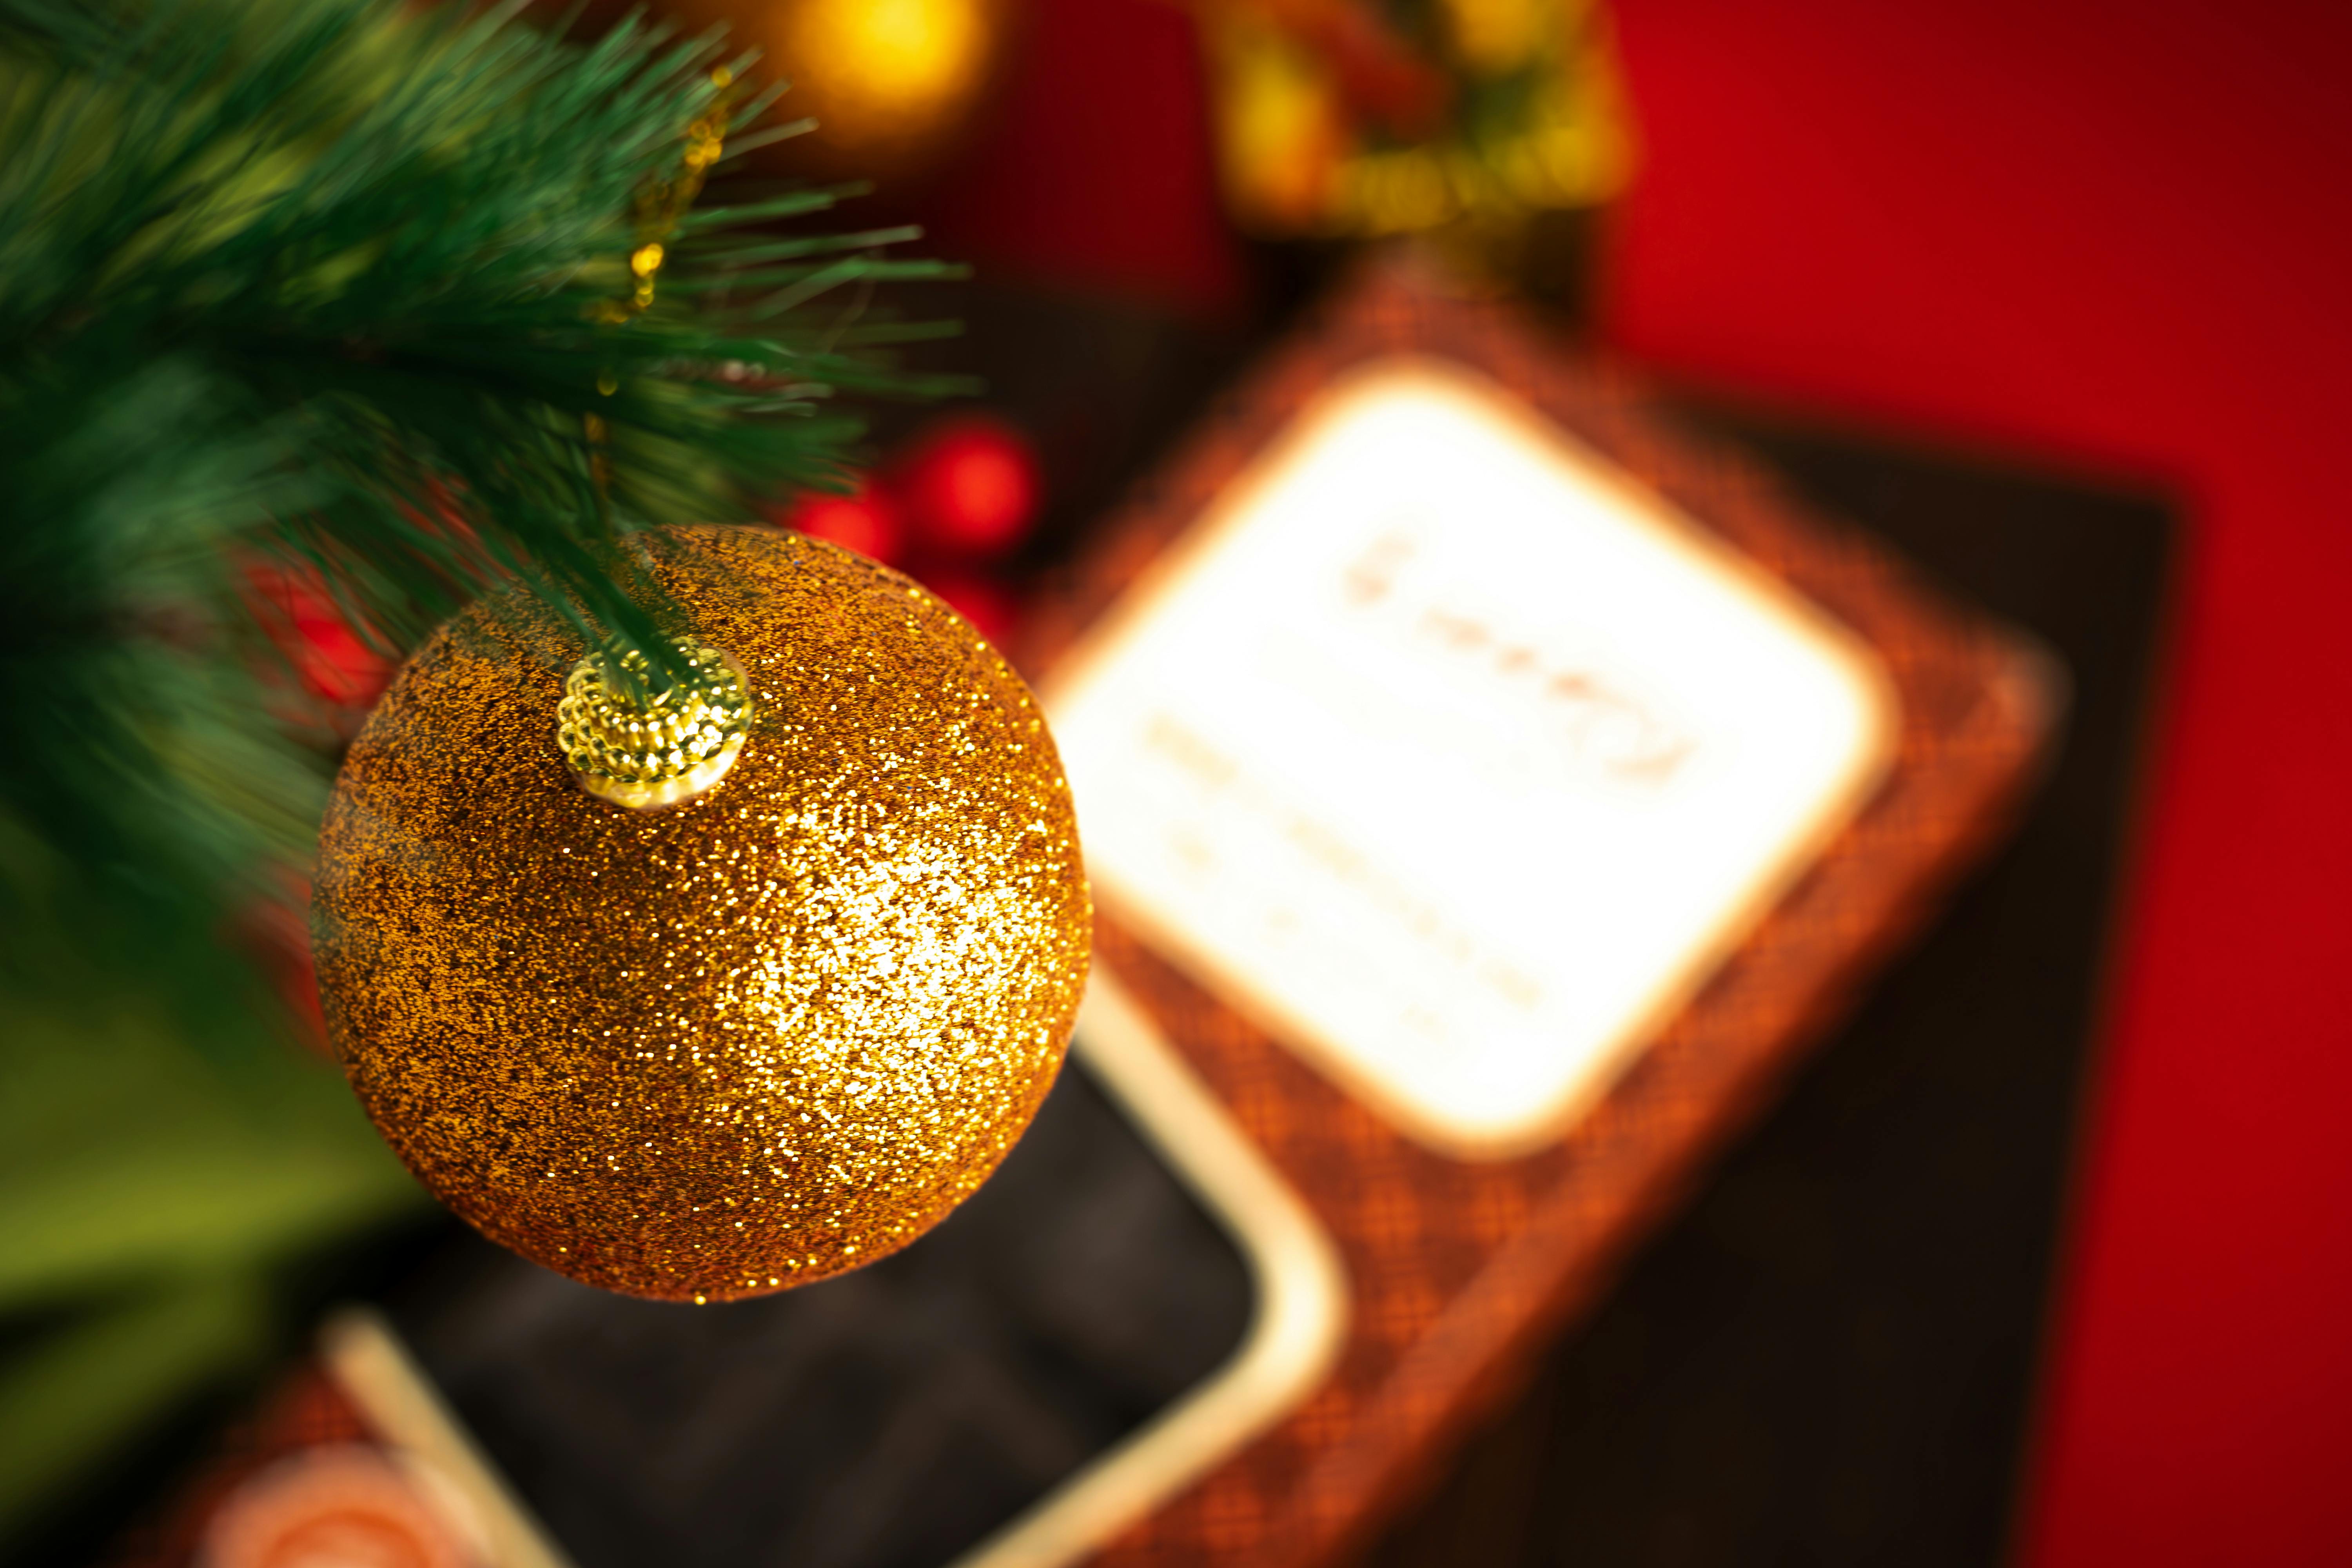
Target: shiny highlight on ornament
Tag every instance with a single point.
(667, 746)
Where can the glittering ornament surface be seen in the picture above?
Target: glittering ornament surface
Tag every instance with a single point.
(752, 1040)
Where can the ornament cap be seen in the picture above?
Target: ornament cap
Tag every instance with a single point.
(668, 747)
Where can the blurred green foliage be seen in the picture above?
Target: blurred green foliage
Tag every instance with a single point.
(148, 1196)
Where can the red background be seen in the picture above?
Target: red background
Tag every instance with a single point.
(2113, 234)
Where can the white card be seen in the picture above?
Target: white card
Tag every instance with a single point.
(1456, 757)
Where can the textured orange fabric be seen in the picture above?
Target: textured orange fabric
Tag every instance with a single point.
(305, 1410)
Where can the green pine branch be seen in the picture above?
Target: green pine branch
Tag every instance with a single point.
(330, 287)
(324, 291)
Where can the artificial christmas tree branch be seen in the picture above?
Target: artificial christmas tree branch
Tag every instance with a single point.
(381, 303)
(407, 301)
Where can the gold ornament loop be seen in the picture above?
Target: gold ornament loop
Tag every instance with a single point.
(670, 747)
(661, 204)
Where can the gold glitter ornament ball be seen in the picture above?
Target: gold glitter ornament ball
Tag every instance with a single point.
(760, 1035)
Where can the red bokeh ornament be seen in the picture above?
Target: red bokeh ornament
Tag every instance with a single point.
(866, 521)
(970, 487)
(301, 617)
